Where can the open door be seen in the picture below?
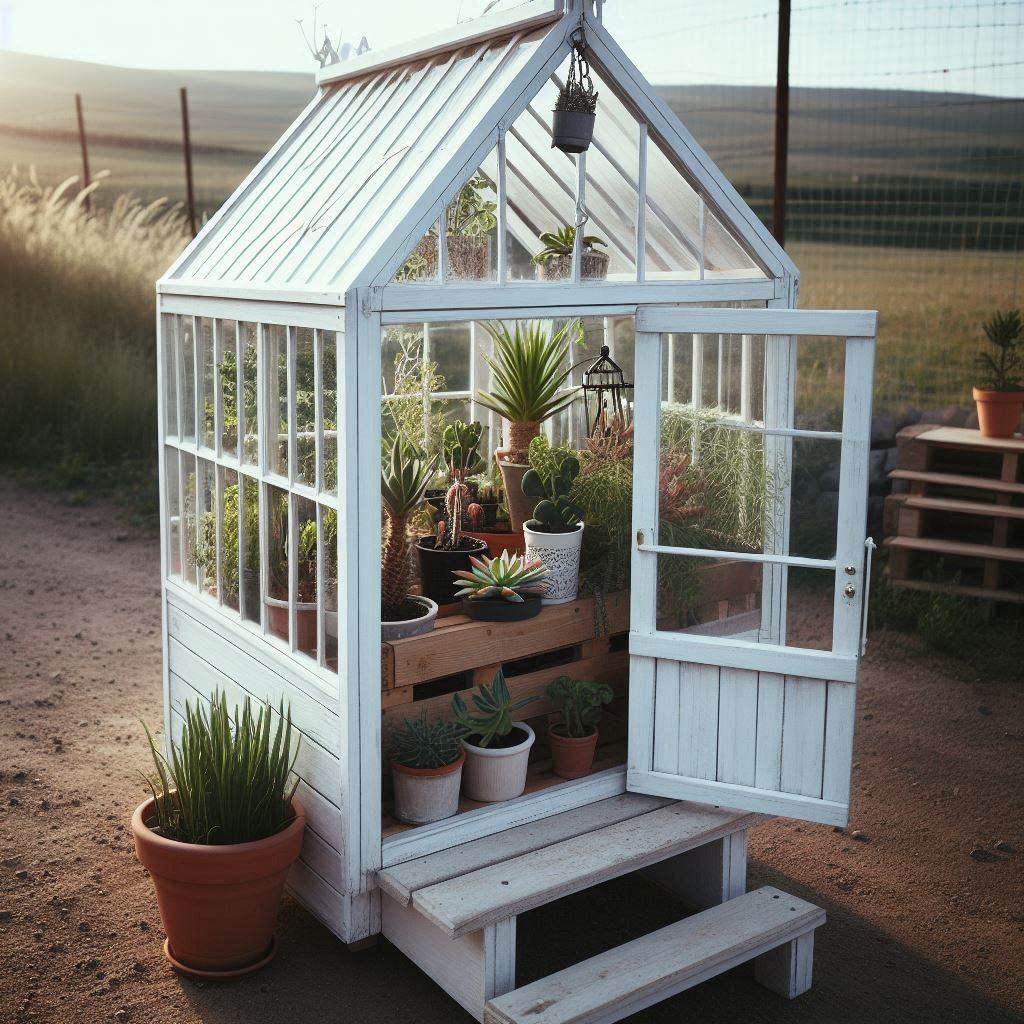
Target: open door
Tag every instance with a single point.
(751, 705)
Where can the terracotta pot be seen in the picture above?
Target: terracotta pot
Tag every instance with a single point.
(468, 258)
(573, 756)
(218, 904)
(520, 507)
(423, 795)
(512, 541)
(493, 774)
(305, 622)
(998, 412)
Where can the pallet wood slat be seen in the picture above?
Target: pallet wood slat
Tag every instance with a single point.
(973, 508)
(952, 547)
(977, 483)
(625, 980)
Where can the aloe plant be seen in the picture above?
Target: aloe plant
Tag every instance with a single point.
(496, 707)
(506, 578)
(561, 241)
(580, 701)
(229, 780)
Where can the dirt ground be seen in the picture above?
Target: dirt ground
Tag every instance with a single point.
(925, 901)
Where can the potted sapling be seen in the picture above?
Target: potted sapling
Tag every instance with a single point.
(449, 549)
(218, 834)
(574, 739)
(497, 748)
(426, 769)
(1000, 393)
(503, 589)
(529, 368)
(404, 480)
(554, 261)
(554, 536)
(572, 122)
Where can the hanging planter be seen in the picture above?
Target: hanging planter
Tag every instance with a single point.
(572, 123)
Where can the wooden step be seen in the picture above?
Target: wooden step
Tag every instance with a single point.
(482, 896)
(638, 974)
(978, 483)
(972, 508)
(954, 547)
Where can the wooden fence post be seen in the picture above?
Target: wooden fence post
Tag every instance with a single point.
(187, 148)
(781, 126)
(85, 149)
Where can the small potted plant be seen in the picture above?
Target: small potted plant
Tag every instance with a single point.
(1000, 394)
(554, 261)
(404, 480)
(572, 122)
(449, 550)
(503, 589)
(426, 769)
(574, 739)
(497, 748)
(529, 368)
(218, 835)
(554, 535)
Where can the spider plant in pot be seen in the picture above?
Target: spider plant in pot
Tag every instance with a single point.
(529, 368)
(554, 536)
(554, 261)
(448, 550)
(574, 739)
(426, 769)
(1000, 394)
(497, 748)
(218, 835)
(404, 480)
(503, 589)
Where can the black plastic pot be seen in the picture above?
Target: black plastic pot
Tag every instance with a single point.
(572, 131)
(488, 610)
(436, 567)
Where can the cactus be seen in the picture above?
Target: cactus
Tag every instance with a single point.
(496, 706)
(550, 478)
(581, 701)
(460, 444)
(475, 515)
(506, 578)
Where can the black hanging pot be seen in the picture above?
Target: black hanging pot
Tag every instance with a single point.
(572, 131)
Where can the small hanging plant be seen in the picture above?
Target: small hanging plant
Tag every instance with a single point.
(572, 124)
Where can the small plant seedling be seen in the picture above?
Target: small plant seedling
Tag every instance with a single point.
(1003, 370)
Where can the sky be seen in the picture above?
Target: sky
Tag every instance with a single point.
(945, 45)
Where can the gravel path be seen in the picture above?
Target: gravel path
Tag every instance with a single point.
(925, 900)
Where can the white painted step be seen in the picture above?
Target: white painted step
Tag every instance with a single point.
(638, 974)
(473, 899)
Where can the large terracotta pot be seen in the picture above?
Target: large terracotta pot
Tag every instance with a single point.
(520, 506)
(510, 541)
(218, 904)
(998, 412)
(593, 266)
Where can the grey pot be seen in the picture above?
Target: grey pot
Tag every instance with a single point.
(572, 131)
(406, 628)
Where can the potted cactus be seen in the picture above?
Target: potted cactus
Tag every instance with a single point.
(404, 480)
(426, 769)
(1000, 394)
(574, 739)
(449, 549)
(554, 535)
(529, 368)
(554, 261)
(503, 589)
(497, 748)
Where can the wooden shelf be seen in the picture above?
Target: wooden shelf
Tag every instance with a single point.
(970, 508)
(978, 483)
(957, 548)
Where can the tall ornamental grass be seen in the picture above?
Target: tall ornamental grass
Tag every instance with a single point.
(77, 330)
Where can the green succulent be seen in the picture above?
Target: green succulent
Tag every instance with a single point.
(561, 242)
(550, 477)
(419, 743)
(461, 446)
(580, 701)
(495, 705)
(508, 578)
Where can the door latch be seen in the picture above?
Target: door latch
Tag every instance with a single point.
(850, 590)
(639, 538)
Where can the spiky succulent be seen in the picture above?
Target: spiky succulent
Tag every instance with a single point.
(505, 578)
(561, 241)
(419, 743)
(495, 705)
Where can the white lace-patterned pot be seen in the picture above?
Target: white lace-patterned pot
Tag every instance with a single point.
(560, 552)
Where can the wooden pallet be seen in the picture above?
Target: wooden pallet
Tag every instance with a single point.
(966, 504)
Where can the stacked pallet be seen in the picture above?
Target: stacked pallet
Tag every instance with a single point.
(963, 503)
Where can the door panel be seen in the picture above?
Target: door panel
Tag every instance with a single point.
(731, 703)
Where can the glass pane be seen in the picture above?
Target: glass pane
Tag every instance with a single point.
(229, 538)
(820, 366)
(471, 230)
(409, 381)
(188, 487)
(672, 230)
(305, 406)
(725, 371)
(206, 550)
(421, 263)
(250, 450)
(331, 409)
(251, 591)
(809, 597)
(277, 562)
(706, 596)
(814, 513)
(329, 529)
(306, 566)
(227, 335)
(169, 340)
(449, 349)
(173, 505)
(207, 397)
(722, 251)
(276, 380)
(187, 355)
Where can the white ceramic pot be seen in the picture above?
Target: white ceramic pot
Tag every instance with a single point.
(423, 795)
(560, 552)
(493, 774)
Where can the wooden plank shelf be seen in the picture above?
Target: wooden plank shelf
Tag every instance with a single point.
(959, 480)
(969, 508)
(960, 549)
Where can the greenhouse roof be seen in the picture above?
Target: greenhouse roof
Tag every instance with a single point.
(390, 138)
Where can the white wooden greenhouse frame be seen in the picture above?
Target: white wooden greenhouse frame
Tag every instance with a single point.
(304, 255)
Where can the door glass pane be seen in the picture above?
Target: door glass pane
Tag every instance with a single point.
(329, 540)
(724, 371)
(331, 409)
(277, 562)
(229, 538)
(227, 334)
(169, 341)
(173, 506)
(187, 355)
(250, 449)
(305, 406)
(276, 381)
(250, 541)
(819, 383)
(809, 597)
(708, 596)
(188, 503)
(814, 510)
(206, 397)
(306, 572)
